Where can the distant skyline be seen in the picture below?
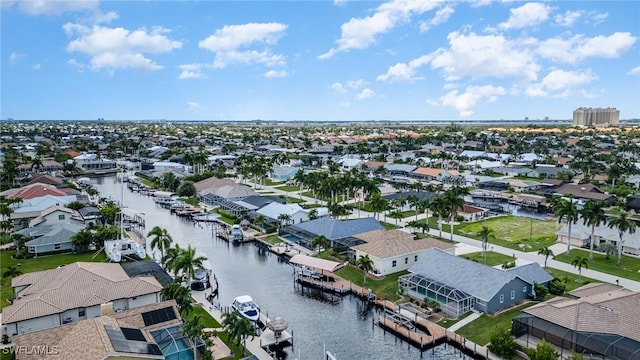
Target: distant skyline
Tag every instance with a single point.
(317, 60)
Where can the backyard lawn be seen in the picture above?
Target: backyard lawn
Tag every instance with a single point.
(479, 331)
(493, 258)
(208, 321)
(570, 279)
(630, 268)
(38, 264)
(272, 239)
(385, 288)
(288, 188)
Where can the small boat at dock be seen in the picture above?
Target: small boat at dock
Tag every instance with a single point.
(245, 306)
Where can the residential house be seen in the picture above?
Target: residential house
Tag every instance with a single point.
(71, 293)
(581, 237)
(48, 166)
(633, 181)
(339, 233)
(600, 320)
(394, 250)
(440, 175)
(163, 166)
(153, 331)
(461, 285)
(297, 214)
(548, 172)
(90, 161)
(584, 192)
(46, 179)
(283, 173)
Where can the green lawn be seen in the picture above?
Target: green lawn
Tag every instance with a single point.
(447, 323)
(402, 214)
(149, 183)
(288, 188)
(208, 321)
(292, 200)
(385, 288)
(270, 182)
(272, 239)
(193, 201)
(388, 226)
(479, 331)
(493, 258)
(361, 206)
(38, 264)
(630, 268)
(570, 279)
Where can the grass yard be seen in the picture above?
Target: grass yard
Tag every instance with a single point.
(272, 239)
(292, 200)
(208, 321)
(402, 214)
(385, 288)
(288, 188)
(479, 331)
(493, 258)
(38, 264)
(388, 226)
(630, 268)
(570, 279)
(447, 323)
(149, 183)
(193, 201)
(270, 182)
(512, 232)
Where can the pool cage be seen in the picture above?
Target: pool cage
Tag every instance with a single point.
(529, 328)
(174, 344)
(453, 302)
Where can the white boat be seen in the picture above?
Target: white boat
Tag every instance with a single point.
(246, 307)
(236, 233)
(116, 249)
(200, 281)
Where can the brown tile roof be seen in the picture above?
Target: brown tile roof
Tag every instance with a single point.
(611, 312)
(428, 171)
(33, 191)
(374, 164)
(583, 191)
(80, 284)
(592, 289)
(211, 184)
(88, 340)
(46, 179)
(384, 244)
(72, 153)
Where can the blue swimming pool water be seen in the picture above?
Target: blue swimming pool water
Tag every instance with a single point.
(178, 350)
(292, 238)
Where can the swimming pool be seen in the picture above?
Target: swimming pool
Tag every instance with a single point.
(292, 238)
(178, 350)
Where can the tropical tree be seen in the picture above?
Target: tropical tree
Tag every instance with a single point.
(543, 351)
(192, 329)
(11, 271)
(485, 233)
(239, 327)
(502, 343)
(546, 252)
(579, 262)
(454, 202)
(608, 249)
(378, 204)
(623, 224)
(319, 242)
(414, 202)
(6, 209)
(109, 213)
(566, 209)
(161, 239)
(188, 262)
(82, 239)
(260, 220)
(170, 259)
(365, 264)
(313, 214)
(175, 290)
(439, 208)
(283, 220)
(593, 215)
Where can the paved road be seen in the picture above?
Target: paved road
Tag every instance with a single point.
(529, 256)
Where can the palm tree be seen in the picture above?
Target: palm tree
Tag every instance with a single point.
(439, 207)
(454, 202)
(192, 329)
(260, 220)
(608, 249)
(188, 262)
(546, 252)
(161, 239)
(319, 242)
(239, 327)
(563, 208)
(283, 220)
(175, 290)
(593, 215)
(414, 202)
(485, 233)
(378, 204)
(11, 271)
(580, 262)
(623, 224)
(313, 214)
(170, 259)
(365, 264)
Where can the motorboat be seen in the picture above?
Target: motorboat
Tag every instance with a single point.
(236, 233)
(246, 307)
(116, 249)
(200, 281)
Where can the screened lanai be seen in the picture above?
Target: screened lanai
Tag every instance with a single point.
(174, 344)
(528, 329)
(452, 301)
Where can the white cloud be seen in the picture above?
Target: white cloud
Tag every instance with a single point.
(337, 88)
(56, 7)
(356, 84)
(191, 71)
(568, 18)
(560, 83)
(227, 42)
(441, 17)
(528, 14)
(276, 74)
(480, 56)
(598, 18)
(192, 105)
(360, 33)
(635, 71)
(576, 48)
(113, 48)
(464, 102)
(339, 2)
(14, 57)
(402, 72)
(366, 93)
(37, 67)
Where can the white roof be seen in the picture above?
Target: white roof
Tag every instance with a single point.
(313, 262)
(273, 210)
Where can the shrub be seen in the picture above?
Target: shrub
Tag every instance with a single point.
(502, 343)
(271, 229)
(459, 218)
(543, 351)
(557, 287)
(540, 290)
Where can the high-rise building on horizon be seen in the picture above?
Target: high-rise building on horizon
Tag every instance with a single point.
(596, 117)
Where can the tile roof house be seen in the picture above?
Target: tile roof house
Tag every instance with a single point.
(442, 175)
(585, 192)
(395, 250)
(337, 232)
(147, 332)
(50, 298)
(36, 190)
(581, 237)
(601, 321)
(46, 179)
(460, 285)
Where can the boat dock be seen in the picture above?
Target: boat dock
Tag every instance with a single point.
(406, 329)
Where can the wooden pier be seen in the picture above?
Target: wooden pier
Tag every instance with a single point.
(422, 341)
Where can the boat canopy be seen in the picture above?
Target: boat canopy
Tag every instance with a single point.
(312, 262)
(163, 194)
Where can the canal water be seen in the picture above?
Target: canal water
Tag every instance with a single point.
(345, 329)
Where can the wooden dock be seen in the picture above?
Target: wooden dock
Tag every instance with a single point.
(422, 341)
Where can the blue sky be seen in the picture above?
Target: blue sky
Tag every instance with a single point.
(317, 60)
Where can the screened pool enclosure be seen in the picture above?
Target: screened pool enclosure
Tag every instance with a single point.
(453, 302)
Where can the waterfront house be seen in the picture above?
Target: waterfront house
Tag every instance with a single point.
(460, 285)
(584, 192)
(394, 250)
(434, 174)
(600, 320)
(74, 292)
(48, 166)
(90, 161)
(581, 237)
(274, 210)
(46, 179)
(339, 233)
(50, 237)
(151, 331)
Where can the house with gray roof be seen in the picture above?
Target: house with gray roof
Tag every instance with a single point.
(339, 233)
(54, 237)
(460, 285)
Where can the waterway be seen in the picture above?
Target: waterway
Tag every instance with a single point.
(346, 329)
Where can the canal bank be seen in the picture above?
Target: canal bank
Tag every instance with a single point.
(346, 328)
